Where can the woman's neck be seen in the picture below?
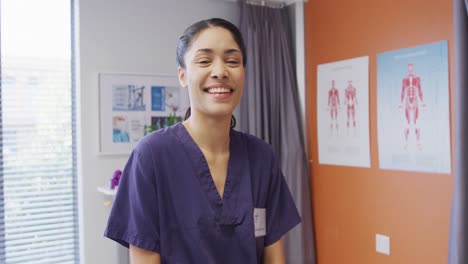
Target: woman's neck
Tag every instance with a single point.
(210, 134)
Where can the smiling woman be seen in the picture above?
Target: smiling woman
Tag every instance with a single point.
(186, 41)
(213, 74)
(199, 191)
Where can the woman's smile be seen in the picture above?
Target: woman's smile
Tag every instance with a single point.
(219, 92)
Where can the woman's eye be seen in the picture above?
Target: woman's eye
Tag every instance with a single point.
(233, 62)
(203, 61)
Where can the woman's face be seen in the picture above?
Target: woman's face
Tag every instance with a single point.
(214, 73)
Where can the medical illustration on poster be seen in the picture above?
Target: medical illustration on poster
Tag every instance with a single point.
(133, 105)
(413, 109)
(343, 112)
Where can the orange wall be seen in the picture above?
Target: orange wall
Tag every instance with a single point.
(352, 204)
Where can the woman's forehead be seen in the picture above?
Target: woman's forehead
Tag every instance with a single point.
(214, 38)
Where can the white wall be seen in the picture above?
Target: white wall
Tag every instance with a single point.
(132, 36)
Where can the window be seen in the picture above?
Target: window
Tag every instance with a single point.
(38, 186)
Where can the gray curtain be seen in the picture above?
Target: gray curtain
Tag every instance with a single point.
(458, 242)
(270, 110)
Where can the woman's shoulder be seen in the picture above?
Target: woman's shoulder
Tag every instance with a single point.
(255, 144)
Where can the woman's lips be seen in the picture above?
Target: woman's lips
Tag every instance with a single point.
(220, 93)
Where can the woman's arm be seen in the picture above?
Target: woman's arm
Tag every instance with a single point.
(143, 256)
(274, 253)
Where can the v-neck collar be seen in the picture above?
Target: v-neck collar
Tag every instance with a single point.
(223, 207)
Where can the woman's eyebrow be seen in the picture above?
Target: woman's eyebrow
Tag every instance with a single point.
(228, 51)
(231, 51)
(204, 51)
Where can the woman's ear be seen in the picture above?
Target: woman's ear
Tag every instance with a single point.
(182, 77)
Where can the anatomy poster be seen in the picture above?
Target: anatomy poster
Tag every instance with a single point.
(413, 109)
(343, 112)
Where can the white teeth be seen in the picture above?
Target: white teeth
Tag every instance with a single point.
(219, 90)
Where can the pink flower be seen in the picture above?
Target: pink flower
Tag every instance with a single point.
(116, 179)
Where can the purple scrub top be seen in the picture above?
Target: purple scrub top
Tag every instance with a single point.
(167, 201)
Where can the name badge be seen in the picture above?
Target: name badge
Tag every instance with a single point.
(260, 221)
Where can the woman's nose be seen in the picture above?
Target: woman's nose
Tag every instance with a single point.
(219, 71)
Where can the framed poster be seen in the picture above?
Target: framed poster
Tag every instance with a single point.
(343, 112)
(133, 105)
(414, 108)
